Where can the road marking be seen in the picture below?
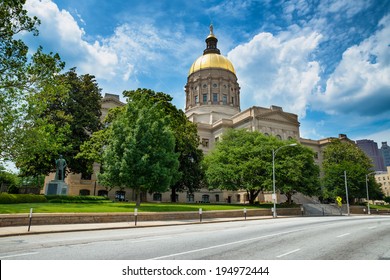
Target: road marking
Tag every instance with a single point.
(150, 239)
(342, 235)
(226, 244)
(372, 227)
(18, 255)
(288, 253)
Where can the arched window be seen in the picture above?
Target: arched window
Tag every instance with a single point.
(279, 137)
(103, 193)
(157, 197)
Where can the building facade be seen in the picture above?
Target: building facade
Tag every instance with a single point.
(370, 148)
(213, 103)
(385, 151)
(383, 178)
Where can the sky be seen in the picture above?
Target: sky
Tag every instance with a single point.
(328, 61)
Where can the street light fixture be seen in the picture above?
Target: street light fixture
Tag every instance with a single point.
(368, 199)
(273, 174)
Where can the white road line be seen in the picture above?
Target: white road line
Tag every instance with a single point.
(18, 255)
(372, 227)
(288, 253)
(150, 239)
(342, 235)
(225, 244)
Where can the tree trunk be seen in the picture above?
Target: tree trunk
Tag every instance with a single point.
(252, 196)
(289, 197)
(173, 195)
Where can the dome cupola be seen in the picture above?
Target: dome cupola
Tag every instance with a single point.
(212, 89)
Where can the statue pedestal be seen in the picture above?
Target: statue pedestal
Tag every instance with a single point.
(56, 187)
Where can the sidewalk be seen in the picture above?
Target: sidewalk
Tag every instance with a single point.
(39, 229)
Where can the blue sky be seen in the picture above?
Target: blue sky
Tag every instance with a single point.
(327, 61)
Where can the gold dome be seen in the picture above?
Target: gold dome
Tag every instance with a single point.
(212, 60)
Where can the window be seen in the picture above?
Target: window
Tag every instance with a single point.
(233, 100)
(84, 192)
(120, 195)
(217, 198)
(157, 197)
(205, 142)
(238, 198)
(216, 139)
(204, 98)
(205, 198)
(215, 97)
(86, 176)
(190, 197)
(224, 99)
(196, 99)
(279, 137)
(103, 193)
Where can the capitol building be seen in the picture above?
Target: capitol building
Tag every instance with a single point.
(213, 103)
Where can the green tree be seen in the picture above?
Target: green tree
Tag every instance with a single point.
(346, 156)
(59, 119)
(7, 179)
(20, 77)
(243, 160)
(140, 153)
(296, 171)
(186, 141)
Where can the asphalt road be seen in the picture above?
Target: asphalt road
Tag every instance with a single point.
(305, 238)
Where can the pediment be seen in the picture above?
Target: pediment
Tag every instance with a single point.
(278, 116)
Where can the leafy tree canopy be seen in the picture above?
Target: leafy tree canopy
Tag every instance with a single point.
(20, 76)
(186, 141)
(243, 160)
(342, 156)
(140, 153)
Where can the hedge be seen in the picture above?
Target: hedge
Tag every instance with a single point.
(7, 198)
(76, 199)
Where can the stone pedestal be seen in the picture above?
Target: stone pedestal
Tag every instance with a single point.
(56, 187)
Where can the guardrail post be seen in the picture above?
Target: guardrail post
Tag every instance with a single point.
(135, 216)
(30, 218)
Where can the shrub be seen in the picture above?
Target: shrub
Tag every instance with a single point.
(7, 198)
(76, 199)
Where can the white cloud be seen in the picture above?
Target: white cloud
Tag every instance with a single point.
(361, 82)
(60, 30)
(278, 70)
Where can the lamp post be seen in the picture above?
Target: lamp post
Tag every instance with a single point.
(346, 191)
(273, 174)
(368, 199)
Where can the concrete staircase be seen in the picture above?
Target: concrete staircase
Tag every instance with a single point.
(317, 209)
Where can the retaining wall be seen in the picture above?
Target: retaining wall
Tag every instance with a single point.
(82, 218)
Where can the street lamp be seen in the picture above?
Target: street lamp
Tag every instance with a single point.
(273, 174)
(368, 199)
(346, 191)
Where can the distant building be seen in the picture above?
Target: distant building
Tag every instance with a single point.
(385, 151)
(370, 148)
(383, 179)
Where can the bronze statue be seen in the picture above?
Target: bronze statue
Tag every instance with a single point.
(60, 169)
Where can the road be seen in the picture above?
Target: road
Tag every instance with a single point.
(302, 238)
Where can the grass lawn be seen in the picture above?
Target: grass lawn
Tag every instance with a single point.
(117, 207)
